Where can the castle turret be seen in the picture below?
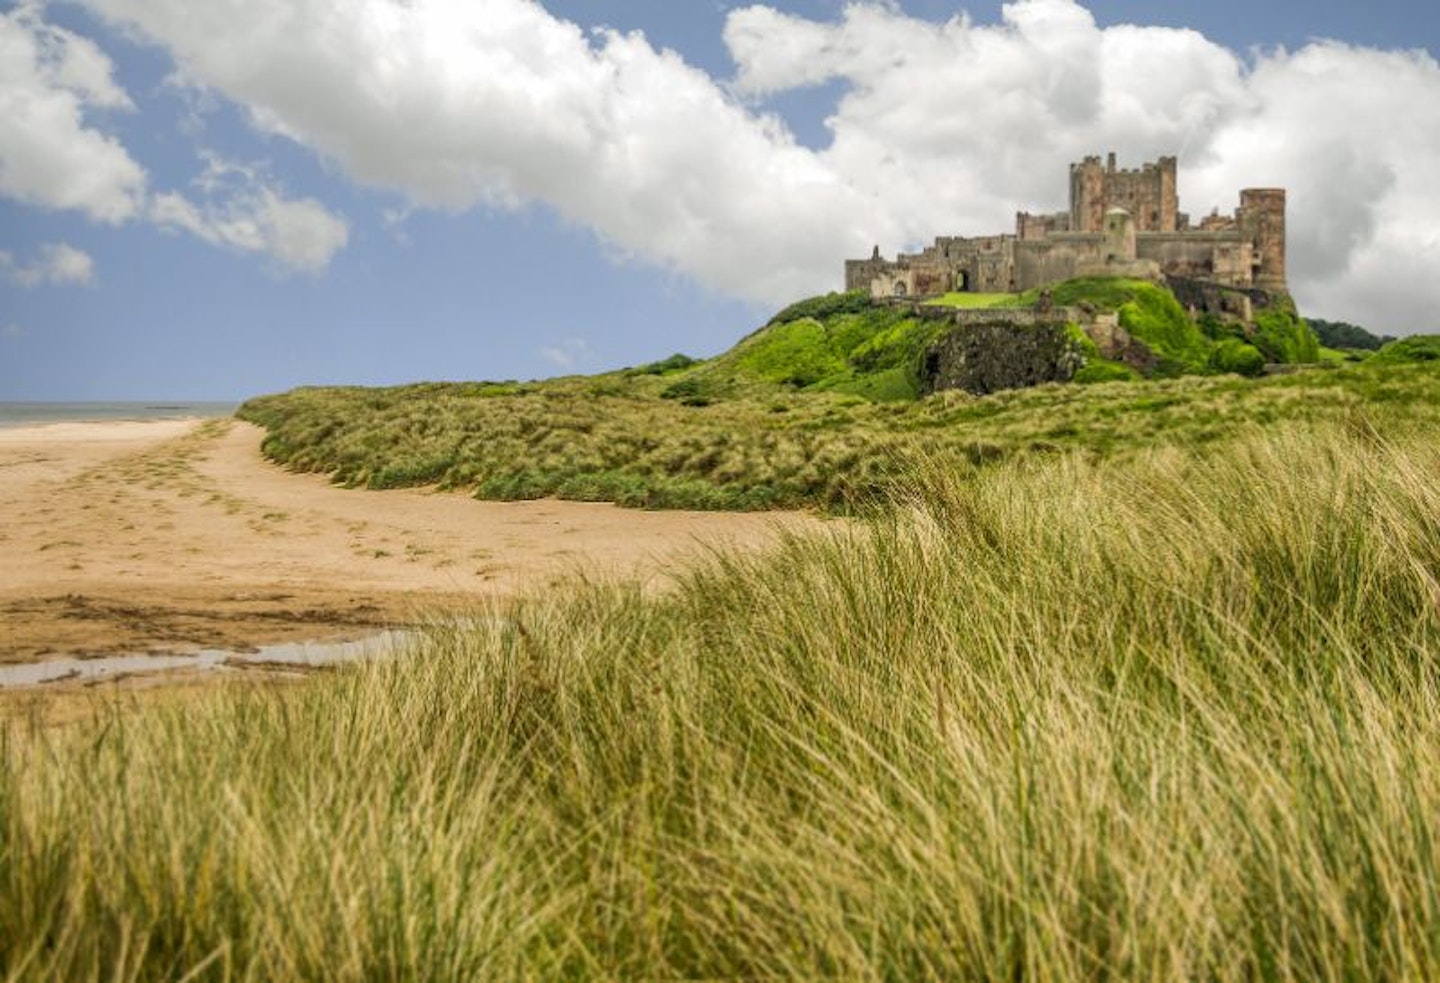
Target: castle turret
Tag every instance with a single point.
(1087, 195)
(1262, 221)
(1119, 236)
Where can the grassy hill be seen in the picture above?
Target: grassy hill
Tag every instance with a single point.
(819, 408)
(1129, 680)
(846, 343)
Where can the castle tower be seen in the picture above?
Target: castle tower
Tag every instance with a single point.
(1150, 194)
(1087, 195)
(1169, 192)
(1119, 236)
(1262, 221)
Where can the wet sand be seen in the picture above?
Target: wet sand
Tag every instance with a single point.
(177, 535)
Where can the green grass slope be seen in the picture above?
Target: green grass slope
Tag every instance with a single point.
(841, 342)
(1415, 349)
(847, 343)
(616, 438)
(820, 407)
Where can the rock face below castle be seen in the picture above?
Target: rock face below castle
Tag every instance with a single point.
(1120, 223)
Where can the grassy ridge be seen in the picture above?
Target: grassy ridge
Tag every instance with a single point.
(1166, 716)
(613, 437)
(848, 343)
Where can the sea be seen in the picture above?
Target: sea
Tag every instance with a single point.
(25, 414)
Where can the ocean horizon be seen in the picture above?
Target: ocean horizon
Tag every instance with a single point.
(19, 414)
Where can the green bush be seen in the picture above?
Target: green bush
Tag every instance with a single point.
(1283, 337)
(1155, 317)
(1233, 355)
(828, 305)
(665, 366)
(689, 391)
(1417, 348)
(1342, 335)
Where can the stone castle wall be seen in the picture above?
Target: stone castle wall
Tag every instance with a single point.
(1121, 222)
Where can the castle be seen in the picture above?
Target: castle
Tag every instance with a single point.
(1120, 223)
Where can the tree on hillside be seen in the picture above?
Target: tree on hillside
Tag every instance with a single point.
(1339, 334)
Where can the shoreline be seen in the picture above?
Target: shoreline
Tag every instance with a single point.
(176, 535)
(19, 414)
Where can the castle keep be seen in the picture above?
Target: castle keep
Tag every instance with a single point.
(1120, 223)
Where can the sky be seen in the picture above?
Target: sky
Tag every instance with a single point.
(221, 199)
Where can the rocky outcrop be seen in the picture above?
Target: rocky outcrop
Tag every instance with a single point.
(1115, 343)
(986, 357)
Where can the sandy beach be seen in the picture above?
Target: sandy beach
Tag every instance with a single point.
(177, 535)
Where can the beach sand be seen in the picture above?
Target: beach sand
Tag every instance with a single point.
(177, 535)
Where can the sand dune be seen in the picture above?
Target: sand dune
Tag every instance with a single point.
(176, 535)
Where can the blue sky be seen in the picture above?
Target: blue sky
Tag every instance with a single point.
(222, 199)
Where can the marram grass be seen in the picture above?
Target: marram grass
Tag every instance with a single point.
(1168, 717)
(612, 438)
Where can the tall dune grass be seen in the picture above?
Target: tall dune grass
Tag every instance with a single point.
(612, 438)
(1170, 717)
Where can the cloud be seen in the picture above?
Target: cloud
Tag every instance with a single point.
(239, 209)
(58, 263)
(394, 219)
(567, 354)
(457, 105)
(956, 126)
(941, 128)
(12, 331)
(50, 79)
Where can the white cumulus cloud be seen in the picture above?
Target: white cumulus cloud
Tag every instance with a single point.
(957, 125)
(457, 104)
(58, 263)
(942, 128)
(50, 79)
(240, 210)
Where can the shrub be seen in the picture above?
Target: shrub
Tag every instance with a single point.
(1156, 318)
(1340, 334)
(665, 366)
(1283, 337)
(828, 305)
(1233, 355)
(1417, 348)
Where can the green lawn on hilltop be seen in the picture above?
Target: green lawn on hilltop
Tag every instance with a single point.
(971, 301)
